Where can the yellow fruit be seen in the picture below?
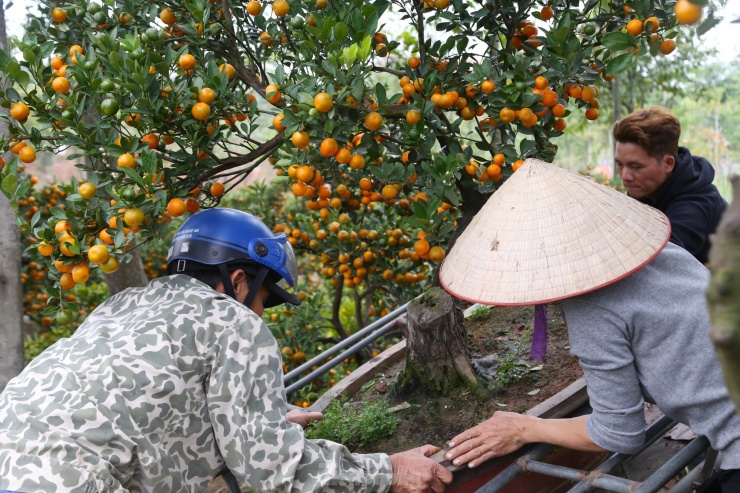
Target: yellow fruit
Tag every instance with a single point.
(98, 254)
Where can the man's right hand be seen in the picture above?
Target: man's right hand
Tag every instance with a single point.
(413, 472)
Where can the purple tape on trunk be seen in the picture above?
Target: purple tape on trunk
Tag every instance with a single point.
(539, 335)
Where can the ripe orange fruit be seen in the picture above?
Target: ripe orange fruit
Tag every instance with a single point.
(549, 98)
(277, 122)
(281, 8)
(436, 253)
(66, 282)
(300, 139)
(45, 249)
(652, 24)
(323, 102)
(19, 111)
(329, 147)
(175, 208)
(389, 192)
(305, 174)
(206, 95)
(270, 89)
(217, 189)
(525, 114)
(266, 38)
(168, 16)
(588, 94)
(81, 273)
(414, 62)
(151, 139)
(357, 161)
(667, 46)
(98, 254)
(487, 86)
(192, 205)
(86, 190)
(110, 265)
(254, 7)
(65, 240)
(413, 117)
(517, 164)
(27, 154)
(133, 217)
(56, 63)
(559, 125)
(58, 14)
(687, 13)
(373, 121)
(201, 111)
(592, 114)
(343, 156)
(558, 110)
(106, 238)
(507, 115)
(76, 49)
(60, 84)
(62, 226)
(493, 169)
(541, 82)
(546, 13)
(635, 27)
(187, 61)
(62, 267)
(127, 161)
(499, 159)
(421, 246)
(228, 69)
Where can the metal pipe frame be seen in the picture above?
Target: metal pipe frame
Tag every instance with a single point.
(668, 470)
(697, 475)
(506, 476)
(653, 433)
(603, 481)
(337, 359)
(391, 317)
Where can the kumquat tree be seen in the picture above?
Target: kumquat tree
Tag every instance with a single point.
(169, 105)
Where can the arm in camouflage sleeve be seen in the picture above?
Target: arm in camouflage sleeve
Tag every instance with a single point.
(246, 401)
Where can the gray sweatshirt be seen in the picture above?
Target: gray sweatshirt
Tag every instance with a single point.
(646, 338)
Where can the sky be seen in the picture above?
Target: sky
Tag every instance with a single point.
(725, 37)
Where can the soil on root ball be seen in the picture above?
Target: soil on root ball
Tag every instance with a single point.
(499, 346)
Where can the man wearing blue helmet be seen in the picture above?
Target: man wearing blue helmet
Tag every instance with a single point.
(163, 387)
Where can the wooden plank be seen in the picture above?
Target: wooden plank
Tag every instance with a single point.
(353, 382)
(563, 403)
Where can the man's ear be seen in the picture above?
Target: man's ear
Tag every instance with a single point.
(668, 163)
(239, 281)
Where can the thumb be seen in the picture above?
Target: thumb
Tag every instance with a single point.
(443, 474)
(428, 450)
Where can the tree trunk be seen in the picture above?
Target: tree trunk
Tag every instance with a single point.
(437, 357)
(723, 295)
(11, 290)
(128, 275)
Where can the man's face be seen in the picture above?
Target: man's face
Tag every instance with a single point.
(641, 173)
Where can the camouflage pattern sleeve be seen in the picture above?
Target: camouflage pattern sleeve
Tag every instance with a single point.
(247, 406)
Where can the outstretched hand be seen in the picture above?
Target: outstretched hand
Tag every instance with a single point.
(303, 418)
(414, 472)
(502, 434)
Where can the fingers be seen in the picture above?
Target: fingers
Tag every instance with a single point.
(428, 450)
(464, 437)
(443, 474)
(314, 416)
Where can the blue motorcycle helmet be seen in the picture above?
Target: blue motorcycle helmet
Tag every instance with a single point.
(220, 238)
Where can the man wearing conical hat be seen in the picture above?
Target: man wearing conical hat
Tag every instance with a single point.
(634, 305)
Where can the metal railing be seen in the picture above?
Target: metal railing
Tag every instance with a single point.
(356, 342)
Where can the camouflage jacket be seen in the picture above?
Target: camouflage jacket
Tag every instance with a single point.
(156, 391)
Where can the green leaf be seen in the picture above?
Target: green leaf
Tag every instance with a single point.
(618, 41)
(29, 56)
(341, 31)
(12, 68)
(10, 184)
(620, 63)
(706, 25)
(380, 93)
(132, 175)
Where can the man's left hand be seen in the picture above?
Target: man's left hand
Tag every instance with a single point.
(303, 418)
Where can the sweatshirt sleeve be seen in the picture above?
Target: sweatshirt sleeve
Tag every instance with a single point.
(598, 337)
(247, 406)
(689, 227)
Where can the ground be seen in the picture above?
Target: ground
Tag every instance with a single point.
(500, 339)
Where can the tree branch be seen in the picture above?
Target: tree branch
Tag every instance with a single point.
(229, 163)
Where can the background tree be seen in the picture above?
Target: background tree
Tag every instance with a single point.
(168, 102)
(11, 334)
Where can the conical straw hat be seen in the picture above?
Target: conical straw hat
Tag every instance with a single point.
(549, 234)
